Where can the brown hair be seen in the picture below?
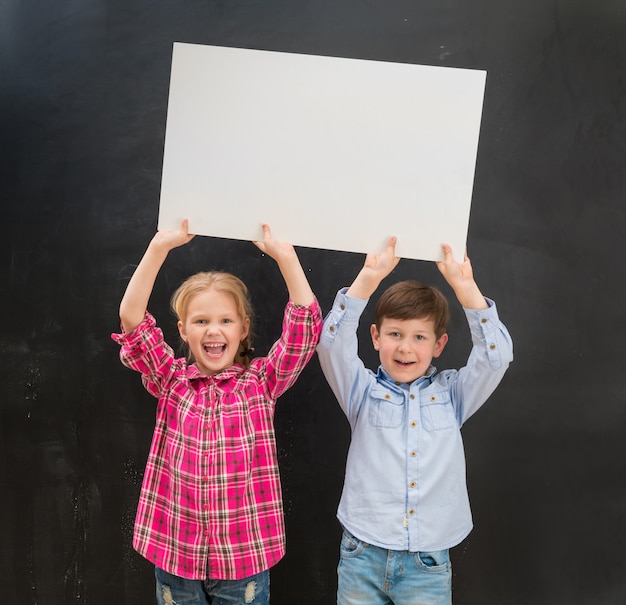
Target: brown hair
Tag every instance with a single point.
(222, 282)
(413, 300)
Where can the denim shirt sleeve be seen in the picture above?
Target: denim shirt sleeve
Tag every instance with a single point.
(338, 354)
(491, 354)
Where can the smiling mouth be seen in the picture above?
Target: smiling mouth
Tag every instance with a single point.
(405, 364)
(214, 350)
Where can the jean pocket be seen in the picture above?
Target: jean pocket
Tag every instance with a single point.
(350, 546)
(433, 562)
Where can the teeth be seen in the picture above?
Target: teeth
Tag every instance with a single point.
(213, 348)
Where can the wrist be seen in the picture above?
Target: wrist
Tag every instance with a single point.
(470, 297)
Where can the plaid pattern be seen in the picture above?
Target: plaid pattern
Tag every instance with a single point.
(211, 502)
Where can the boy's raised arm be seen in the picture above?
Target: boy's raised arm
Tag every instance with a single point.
(375, 269)
(460, 278)
(135, 300)
(287, 260)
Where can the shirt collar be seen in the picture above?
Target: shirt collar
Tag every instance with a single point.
(193, 373)
(382, 375)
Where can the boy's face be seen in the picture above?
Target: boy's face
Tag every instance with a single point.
(213, 330)
(407, 347)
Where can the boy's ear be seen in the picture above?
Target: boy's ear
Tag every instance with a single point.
(375, 337)
(440, 344)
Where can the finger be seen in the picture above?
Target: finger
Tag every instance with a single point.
(391, 249)
(445, 249)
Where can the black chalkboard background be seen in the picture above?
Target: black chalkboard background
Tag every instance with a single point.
(83, 101)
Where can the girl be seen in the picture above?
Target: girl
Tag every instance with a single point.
(210, 511)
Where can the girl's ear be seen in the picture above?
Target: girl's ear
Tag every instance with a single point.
(181, 331)
(246, 328)
(439, 345)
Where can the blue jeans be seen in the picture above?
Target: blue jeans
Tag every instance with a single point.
(369, 575)
(172, 590)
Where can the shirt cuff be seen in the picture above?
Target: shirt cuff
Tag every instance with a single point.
(134, 337)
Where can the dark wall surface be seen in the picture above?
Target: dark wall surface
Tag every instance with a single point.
(83, 101)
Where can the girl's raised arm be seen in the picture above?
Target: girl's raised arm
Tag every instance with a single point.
(285, 256)
(135, 300)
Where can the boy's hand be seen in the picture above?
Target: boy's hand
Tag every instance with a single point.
(169, 240)
(375, 269)
(460, 277)
(381, 265)
(455, 273)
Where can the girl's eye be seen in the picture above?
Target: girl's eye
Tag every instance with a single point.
(227, 321)
(201, 321)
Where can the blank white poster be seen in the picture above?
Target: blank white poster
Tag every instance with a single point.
(332, 153)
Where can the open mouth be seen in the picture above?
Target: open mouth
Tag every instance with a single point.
(214, 349)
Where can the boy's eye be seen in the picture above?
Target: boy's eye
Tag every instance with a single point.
(394, 334)
(420, 337)
(201, 321)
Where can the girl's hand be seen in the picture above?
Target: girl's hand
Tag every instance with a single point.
(169, 240)
(287, 260)
(279, 251)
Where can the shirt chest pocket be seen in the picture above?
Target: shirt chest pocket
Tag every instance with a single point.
(436, 410)
(387, 409)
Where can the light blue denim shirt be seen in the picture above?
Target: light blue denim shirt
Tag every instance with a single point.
(405, 486)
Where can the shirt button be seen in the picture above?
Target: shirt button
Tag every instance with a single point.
(492, 347)
(331, 328)
(413, 454)
(206, 532)
(412, 512)
(205, 479)
(412, 396)
(387, 396)
(413, 424)
(433, 398)
(342, 307)
(483, 320)
(412, 484)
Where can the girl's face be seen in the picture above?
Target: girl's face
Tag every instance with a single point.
(213, 329)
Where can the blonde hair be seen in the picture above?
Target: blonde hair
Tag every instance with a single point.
(222, 282)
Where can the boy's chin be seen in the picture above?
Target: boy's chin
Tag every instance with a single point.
(408, 376)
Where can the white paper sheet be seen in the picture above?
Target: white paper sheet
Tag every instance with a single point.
(332, 153)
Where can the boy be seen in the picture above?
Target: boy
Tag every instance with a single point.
(404, 502)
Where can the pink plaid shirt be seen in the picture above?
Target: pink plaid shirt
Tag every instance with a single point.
(211, 502)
